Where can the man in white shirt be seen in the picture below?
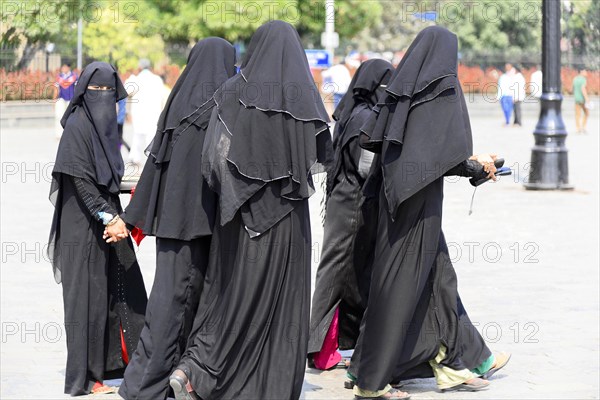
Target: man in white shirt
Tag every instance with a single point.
(536, 83)
(518, 95)
(336, 80)
(505, 92)
(146, 91)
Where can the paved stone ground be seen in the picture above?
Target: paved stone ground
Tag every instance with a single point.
(530, 283)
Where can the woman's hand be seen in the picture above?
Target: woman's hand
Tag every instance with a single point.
(115, 232)
(487, 160)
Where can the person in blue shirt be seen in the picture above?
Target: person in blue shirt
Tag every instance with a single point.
(65, 87)
(121, 114)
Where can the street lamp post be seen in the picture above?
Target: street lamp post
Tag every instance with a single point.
(330, 39)
(49, 50)
(549, 161)
(80, 44)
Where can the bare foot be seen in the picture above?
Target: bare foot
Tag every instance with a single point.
(500, 361)
(477, 382)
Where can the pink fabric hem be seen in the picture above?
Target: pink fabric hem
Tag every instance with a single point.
(328, 357)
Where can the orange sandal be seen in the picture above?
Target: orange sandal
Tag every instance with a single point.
(99, 388)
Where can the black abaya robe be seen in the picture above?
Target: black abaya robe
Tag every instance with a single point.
(103, 293)
(251, 328)
(250, 334)
(413, 305)
(103, 290)
(340, 281)
(173, 202)
(344, 270)
(422, 130)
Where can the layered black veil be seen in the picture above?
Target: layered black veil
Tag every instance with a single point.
(265, 133)
(417, 151)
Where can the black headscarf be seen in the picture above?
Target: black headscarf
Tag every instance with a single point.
(91, 119)
(365, 87)
(277, 76)
(171, 199)
(422, 127)
(210, 63)
(264, 135)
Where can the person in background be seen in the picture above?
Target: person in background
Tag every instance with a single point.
(519, 95)
(344, 271)
(121, 114)
(336, 81)
(65, 85)
(581, 100)
(505, 91)
(166, 89)
(535, 82)
(146, 105)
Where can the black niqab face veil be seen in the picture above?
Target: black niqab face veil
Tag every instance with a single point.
(92, 116)
(422, 126)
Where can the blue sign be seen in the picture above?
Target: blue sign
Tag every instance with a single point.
(426, 16)
(318, 58)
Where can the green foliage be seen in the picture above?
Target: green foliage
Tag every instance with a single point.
(30, 24)
(393, 30)
(124, 31)
(508, 28)
(112, 38)
(492, 27)
(582, 30)
(178, 21)
(351, 17)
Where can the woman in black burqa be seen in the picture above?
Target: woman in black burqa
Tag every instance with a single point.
(414, 315)
(103, 290)
(268, 129)
(343, 275)
(173, 202)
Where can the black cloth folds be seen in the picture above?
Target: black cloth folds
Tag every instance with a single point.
(417, 151)
(262, 145)
(343, 275)
(210, 63)
(413, 304)
(172, 200)
(249, 337)
(178, 283)
(366, 88)
(103, 291)
(422, 130)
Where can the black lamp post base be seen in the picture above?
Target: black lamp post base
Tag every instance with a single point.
(549, 156)
(549, 164)
(548, 186)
